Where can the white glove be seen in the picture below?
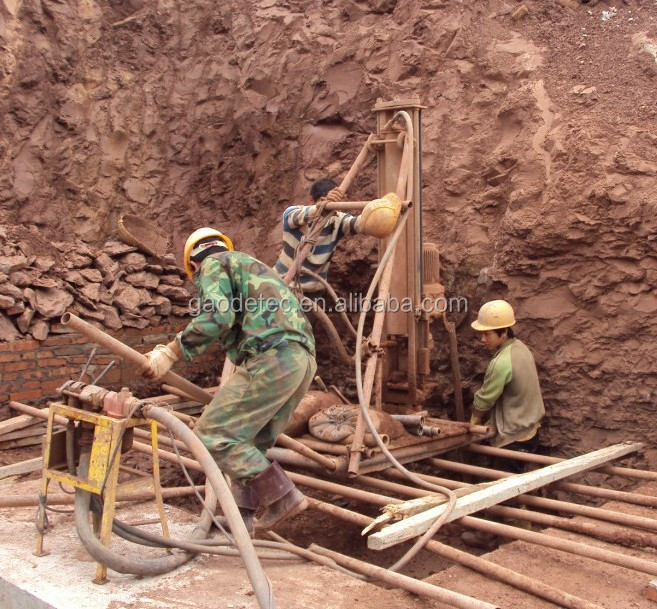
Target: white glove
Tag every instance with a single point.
(158, 362)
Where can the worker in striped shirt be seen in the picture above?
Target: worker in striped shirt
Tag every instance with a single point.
(296, 221)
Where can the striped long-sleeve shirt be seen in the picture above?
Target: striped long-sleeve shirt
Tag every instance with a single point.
(295, 226)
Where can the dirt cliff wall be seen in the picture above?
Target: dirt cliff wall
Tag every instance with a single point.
(539, 153)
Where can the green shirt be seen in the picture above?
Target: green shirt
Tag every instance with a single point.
(511, 388)
(245, 305)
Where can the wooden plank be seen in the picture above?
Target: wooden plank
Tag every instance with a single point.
(24, 467)
(15, 423)
(497, 493)
(20, 443)
(38, 429)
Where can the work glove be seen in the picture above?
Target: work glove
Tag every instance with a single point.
(475, 418)
(158, 362)
(335, 195)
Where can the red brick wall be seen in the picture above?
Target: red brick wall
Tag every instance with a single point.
(32, 369)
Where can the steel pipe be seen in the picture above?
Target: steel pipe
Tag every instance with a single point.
(504, 530)
(19, 501)
(409, 419)
(377, 499)
(288, 457)
(332, 449)
(325, 447)
(379, 461)
(350, 206)
(37, 413)
(421, 588)
(564, 545)
(460, 426)
(167, 455)
(162, 439)
(365, 382)
(415, 452)
(456, 368)
(358, 164)
(320, 560)
(130, 355)
(623, 535)
(340, 489)
(613, 470)
(480, 565)
(302, 449)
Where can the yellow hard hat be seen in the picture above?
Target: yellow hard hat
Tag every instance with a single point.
(494, 315)
(193, 240)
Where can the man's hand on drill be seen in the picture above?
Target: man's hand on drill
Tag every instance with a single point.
(335, 195)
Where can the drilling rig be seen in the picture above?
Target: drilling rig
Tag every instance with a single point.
(390, 427)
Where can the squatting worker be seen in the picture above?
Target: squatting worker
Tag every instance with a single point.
(510, 397)
(246, 307)
(378, 219)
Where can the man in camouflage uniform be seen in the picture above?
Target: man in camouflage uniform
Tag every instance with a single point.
(245, 306)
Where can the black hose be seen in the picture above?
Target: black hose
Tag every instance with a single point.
(114, 560)
(121, 529)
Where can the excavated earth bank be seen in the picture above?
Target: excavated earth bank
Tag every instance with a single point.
(539, 155)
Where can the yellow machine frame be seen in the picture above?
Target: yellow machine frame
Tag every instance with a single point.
(104, 467)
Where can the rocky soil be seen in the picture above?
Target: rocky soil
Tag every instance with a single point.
(539, 162)
(114, 287)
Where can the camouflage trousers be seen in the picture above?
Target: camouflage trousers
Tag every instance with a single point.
(253, 408)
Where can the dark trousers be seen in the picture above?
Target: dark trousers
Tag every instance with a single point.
(511, 465)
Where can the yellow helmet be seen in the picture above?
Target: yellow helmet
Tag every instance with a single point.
(494, 315)
(193, 240)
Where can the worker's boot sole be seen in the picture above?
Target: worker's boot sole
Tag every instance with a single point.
(248, 523)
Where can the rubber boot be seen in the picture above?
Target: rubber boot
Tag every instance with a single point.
(278, 495)
(247, 503)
